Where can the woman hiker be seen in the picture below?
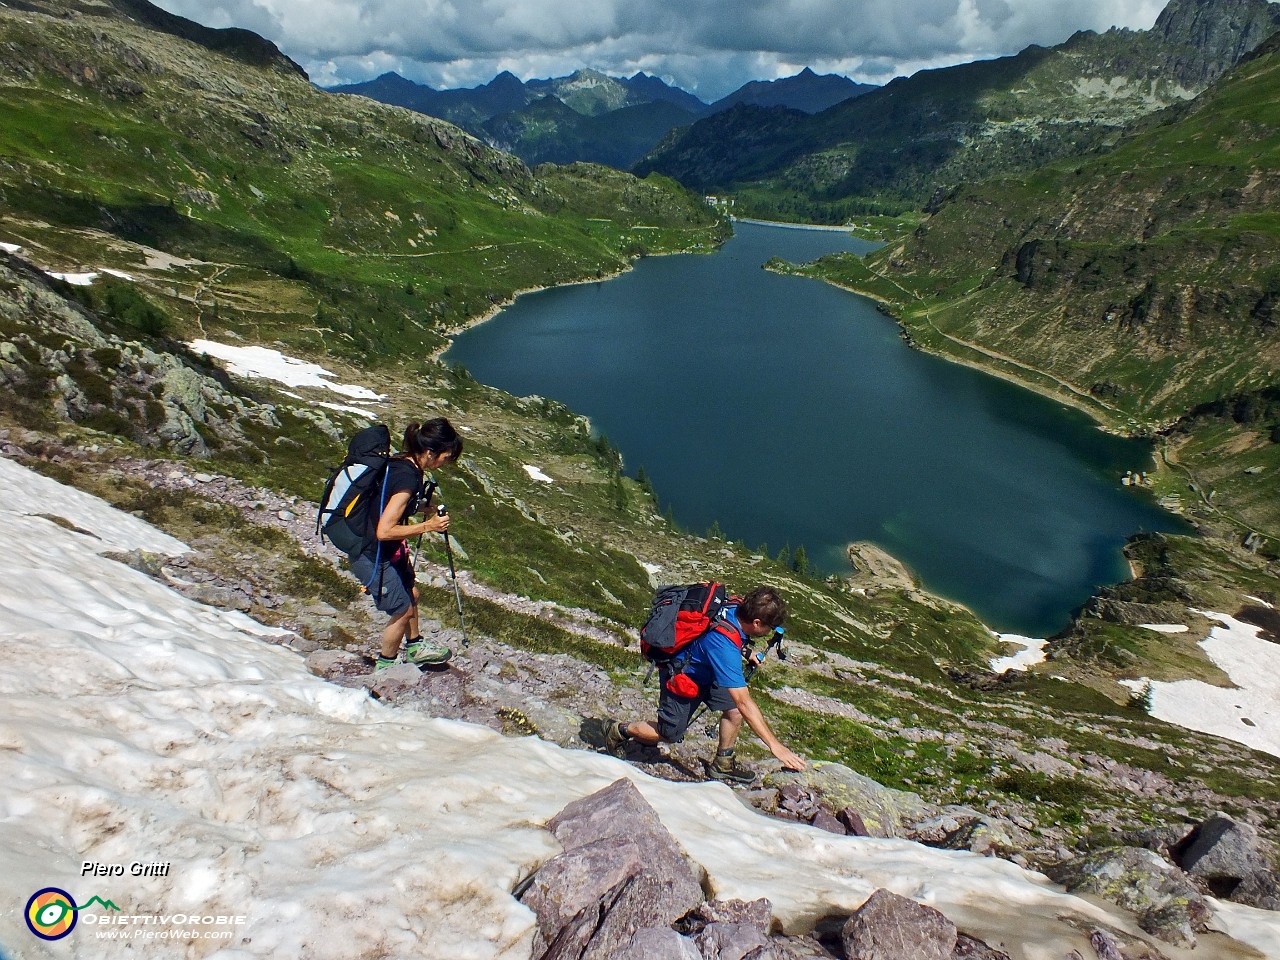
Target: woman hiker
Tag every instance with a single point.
(385, 565)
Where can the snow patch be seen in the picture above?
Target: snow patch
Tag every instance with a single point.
(11, 247)
(268, 364)
(1032, 652)
(1249, 712)
(537, 474)
(1165, 627)
(75, 279)
(119, 273)
(348, 408)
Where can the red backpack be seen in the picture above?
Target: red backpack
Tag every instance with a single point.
(679, 616)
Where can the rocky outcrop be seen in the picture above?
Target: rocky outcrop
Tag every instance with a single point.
(603, 898)
(1229, 859)
(834, 798)
(63, 359)
(1213, 36)
(620, 872)
(1166, 902)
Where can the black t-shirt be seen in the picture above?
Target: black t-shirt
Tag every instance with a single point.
(402, 476)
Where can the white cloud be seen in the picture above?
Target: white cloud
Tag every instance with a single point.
(708, 46)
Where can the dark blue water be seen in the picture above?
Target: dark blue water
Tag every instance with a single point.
(791, 412)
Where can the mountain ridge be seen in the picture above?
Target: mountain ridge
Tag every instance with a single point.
(505, 112)
(894, 148)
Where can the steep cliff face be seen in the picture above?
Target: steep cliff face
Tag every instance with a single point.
(896, 147)
(1215, 35)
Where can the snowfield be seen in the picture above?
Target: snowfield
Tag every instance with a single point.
(298, 819)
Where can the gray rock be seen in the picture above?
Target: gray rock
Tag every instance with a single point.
(621, 871)
(984, 836)
(220, 597)
(587, 881)
(975, 949)
(394, 683)
(1222, 853)
(890, 927)
(1167, 904)
(825, 821)
(335, 664)
(852, 822)
(1261, 890)
(141, 560)
(657, 943)
(758, 913)
(732, 941)
(883, 810)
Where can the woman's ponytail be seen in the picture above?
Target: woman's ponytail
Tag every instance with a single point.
(435, 436)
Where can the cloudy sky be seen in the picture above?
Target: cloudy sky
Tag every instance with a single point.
(709, 47)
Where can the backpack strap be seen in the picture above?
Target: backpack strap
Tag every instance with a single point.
(680, 661)
(377, 557)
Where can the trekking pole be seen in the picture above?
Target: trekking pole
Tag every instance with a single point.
(453, 574)
(428, 490)
(752, 667)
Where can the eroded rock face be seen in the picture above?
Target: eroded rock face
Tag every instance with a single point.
(890, 927)
(621, 872)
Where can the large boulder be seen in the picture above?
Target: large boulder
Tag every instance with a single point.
(890, 927)
(733, 941)
(882, 810)
(621, 872)
(1222, 853)
(1166, 902)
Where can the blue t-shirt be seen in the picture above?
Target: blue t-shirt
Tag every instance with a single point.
(717, 659)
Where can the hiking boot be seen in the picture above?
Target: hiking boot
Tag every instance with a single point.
(425, 652)
(384, 663)
(614, 738)
(725, 768)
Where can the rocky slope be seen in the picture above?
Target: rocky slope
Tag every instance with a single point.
(101, 391)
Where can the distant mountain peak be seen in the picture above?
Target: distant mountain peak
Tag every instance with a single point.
(807, 91)
(505, 79)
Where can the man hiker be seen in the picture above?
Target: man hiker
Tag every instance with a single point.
(384, 567)
(712, 673)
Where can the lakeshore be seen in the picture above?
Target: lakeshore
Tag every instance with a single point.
(998, 503)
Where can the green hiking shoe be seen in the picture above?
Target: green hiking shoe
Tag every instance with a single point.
(614, 738)
(726, 769)
(426, 652)
(384, 663)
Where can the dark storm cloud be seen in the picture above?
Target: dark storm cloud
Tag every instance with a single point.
(709, 46)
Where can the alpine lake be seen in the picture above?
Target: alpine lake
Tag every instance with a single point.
(791, 413)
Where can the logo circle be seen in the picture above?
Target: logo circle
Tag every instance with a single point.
(51, 913)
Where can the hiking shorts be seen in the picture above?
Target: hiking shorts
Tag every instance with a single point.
(391, 588)
(675, 711)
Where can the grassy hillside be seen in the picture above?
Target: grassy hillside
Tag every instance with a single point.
(1146, 279)
(1141, 285)
(377, 227)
